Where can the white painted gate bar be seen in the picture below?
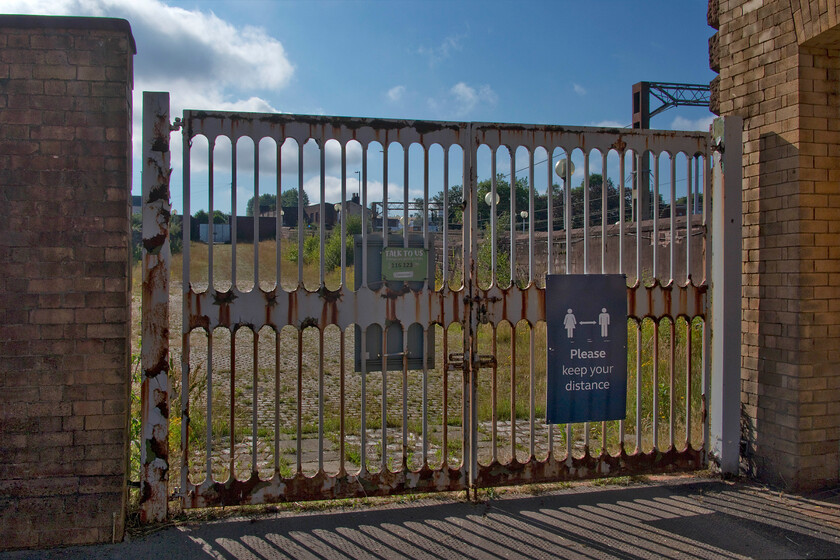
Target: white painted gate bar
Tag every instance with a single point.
(549, 229)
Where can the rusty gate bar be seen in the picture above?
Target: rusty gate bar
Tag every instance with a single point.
(215, 308)
(486, 309)
(154, 356)
(655, 300)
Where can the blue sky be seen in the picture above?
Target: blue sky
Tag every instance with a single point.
(561, 62)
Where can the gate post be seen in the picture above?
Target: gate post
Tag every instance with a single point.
(154, 356)
(725, 406)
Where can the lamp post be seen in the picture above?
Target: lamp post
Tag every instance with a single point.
(524, 215)
(338, 211)
(359, 178)
(488, 198)
(560, 169)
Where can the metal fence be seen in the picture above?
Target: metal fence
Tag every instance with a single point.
(306, 375)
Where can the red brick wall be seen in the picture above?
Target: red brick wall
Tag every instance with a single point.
(65, 180)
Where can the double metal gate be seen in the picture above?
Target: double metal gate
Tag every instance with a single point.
(297, 382)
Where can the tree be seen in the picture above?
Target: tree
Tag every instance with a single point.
(289, 198)
(219, 217)
(268, 202)
(456, 210)
(503, 206)
(596, 182)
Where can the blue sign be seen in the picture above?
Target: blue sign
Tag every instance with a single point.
(586, 317)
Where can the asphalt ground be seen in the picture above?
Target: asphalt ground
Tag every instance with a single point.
(661, 518)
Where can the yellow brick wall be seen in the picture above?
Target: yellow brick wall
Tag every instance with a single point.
(780, 71)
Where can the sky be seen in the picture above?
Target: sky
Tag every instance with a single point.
(559, 62)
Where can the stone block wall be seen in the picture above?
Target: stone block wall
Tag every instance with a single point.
(779, 67)
(65, 181)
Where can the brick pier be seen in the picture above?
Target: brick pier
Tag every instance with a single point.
(65, 183)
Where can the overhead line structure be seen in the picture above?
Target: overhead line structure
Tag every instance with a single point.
(670, 95)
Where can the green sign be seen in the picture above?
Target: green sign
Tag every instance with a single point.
(406, 264)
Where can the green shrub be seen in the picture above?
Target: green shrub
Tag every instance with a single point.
(332, 246)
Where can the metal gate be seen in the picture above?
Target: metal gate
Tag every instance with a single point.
(297, 382)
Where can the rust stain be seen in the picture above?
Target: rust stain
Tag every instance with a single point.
(700, 300)
(160, 192)
(682, 303)
(417, 305)
(649, 293)
(291, 316)
(329, 310)
(224, 300)
(270, 304)
(329, 296)
(161, 144)
(162, 365)
(524, 312)
(308, 322)
(390, 310)
(578, 468)
(324, 486)
(619, 145)
(161, 400)
(154, 244)
(667, 298)
(456, 304)
(196, 318)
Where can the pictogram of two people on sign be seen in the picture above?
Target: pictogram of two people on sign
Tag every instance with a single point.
(570, 322)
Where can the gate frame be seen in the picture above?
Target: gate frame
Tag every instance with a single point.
(154, 355)
(725, 287)
(724, 331)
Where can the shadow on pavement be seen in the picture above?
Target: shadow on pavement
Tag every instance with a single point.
(682, 519)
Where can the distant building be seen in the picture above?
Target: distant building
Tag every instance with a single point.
(312, 215)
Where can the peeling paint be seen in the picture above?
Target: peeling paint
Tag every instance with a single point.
(467, 305)
(154, 390)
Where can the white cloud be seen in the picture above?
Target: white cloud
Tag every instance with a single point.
(442, 51)
(579, 89)
(466, 98)
(609, 124)
(702, 124)
(173, 43)
(196, 56)
(202, 60)
(396, 93)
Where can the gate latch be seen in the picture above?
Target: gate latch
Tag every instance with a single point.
(456, 361)
(485, 360)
